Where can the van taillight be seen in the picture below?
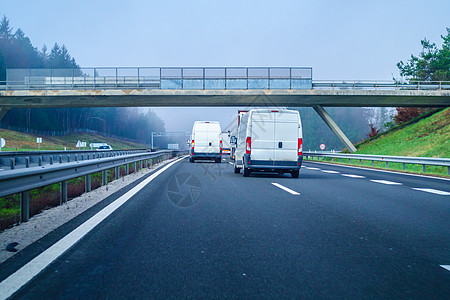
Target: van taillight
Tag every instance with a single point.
(192, 144)
(300, 146)
(248, 145)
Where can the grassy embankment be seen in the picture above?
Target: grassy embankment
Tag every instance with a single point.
(49, 196)
(17, 141)
(422, 137)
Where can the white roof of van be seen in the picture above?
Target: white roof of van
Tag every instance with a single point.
(268, 110)
(200, 122)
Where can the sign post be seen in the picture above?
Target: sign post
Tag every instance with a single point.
(39, 141)
(2, 143)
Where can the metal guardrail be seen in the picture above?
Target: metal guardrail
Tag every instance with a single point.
(26, 159)
(424, 161)
(23, 180)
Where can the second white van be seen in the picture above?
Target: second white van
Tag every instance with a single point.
(206, 141)
(269, 140)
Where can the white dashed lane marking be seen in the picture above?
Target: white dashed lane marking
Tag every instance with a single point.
(230, 163)
(285, 188)
(433, 191)
(447, 267)
(386, 182)
(309, 168)
(330, 172)
(353, 176)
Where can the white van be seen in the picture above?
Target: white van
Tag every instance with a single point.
(269, 140)
(206, 141)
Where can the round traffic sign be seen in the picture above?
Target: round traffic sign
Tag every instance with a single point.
(2, 142)
(322, 146)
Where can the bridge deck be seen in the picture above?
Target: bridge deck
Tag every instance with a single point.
(241, 97)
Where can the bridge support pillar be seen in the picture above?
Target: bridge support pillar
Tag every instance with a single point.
(3, 111)
(333, 126)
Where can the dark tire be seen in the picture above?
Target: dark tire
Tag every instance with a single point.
(191, 159)
(218, 160)
(246, 172)
(237, 170)
(295, 174)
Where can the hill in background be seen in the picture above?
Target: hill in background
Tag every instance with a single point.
(26, 142)
(427, 137)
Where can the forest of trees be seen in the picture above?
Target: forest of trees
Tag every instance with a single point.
(432, 64)
(17, 51)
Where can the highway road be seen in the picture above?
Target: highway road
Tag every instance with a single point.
(198, 230)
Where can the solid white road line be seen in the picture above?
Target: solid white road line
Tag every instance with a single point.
(438, 192)
(353, 176)
(447, 267)
(230, 163)
(330, 172)
(387, 182)
(285, 188)
(309, 168)
(18, 279)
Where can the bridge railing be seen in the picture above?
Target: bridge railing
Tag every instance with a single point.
(194, 78)
(159, 78)
(379, 85)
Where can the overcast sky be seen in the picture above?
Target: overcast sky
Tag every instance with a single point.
(338, 39)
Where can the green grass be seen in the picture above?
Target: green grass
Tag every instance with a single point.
(422, 137)
(16, 141)
(429, 137)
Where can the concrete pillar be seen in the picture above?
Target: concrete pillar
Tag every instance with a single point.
(333, 126)
(3, 111)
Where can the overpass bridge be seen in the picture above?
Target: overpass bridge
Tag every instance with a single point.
(209, 87)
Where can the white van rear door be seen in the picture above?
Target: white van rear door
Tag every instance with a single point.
(262, 137)
(286, 136)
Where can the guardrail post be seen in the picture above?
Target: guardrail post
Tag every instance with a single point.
(27, 162)
(104, 177)
(117, 172)
(127, 169)
(51, 160)
(63, 192)
(87, 183)
(40, 161)
(24, 206)
(387, 164)
(13, 163)
(373, 163)
(60, 159)
(448, 170)
(424, 168)
(404, 166)
(360, 161)
(134, 167)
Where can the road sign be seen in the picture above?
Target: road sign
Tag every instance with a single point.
(322, 146)
(79, 145)
(2, 143)
(39, 141)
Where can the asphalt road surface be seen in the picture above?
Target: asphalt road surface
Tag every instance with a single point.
(200, 231)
